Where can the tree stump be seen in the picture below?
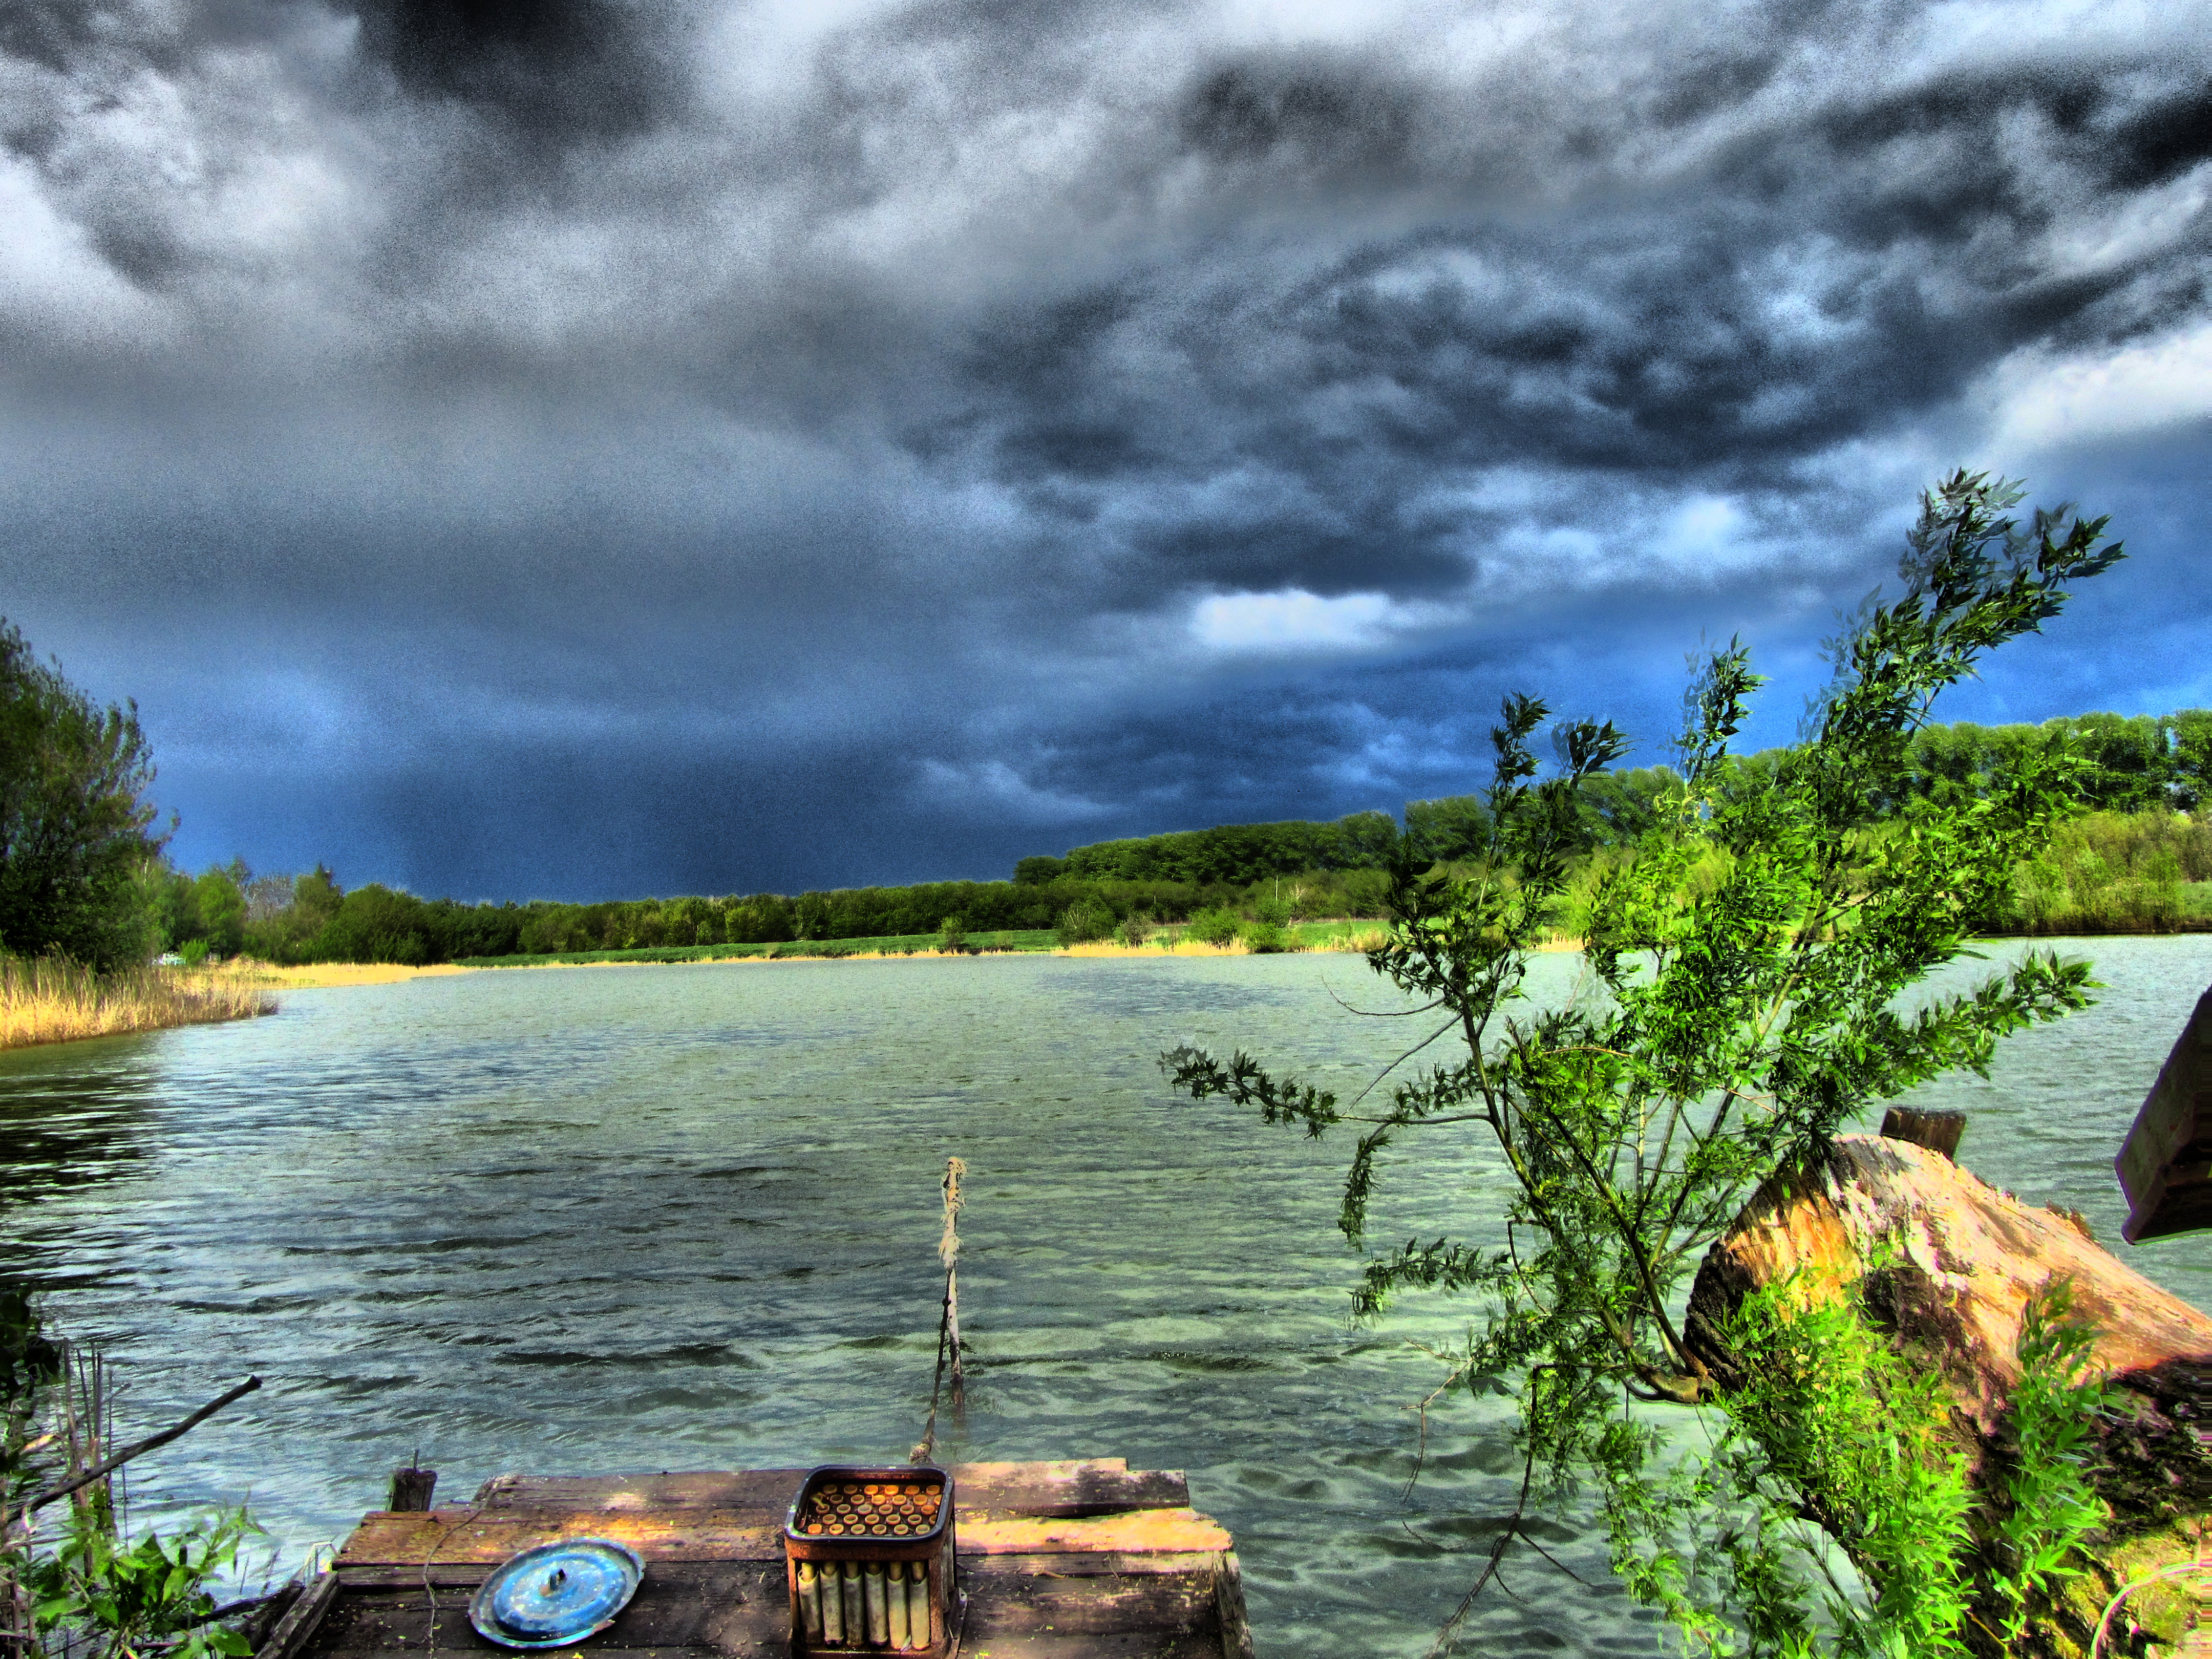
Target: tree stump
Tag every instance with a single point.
(1939, 1132)
(1961, 1261)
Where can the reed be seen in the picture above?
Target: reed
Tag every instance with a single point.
(45, 1000)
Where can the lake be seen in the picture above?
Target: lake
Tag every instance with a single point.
(662, 1218)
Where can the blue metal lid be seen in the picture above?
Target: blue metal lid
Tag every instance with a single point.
(557, 1593)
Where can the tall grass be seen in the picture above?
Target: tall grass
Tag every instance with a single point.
(46, 1001)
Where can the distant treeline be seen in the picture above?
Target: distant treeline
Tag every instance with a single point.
(1281, 873)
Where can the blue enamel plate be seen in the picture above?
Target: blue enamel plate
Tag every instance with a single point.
(555, 1594)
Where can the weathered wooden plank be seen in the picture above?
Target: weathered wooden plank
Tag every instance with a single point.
(1229, 1606)
(1126, 1645)
(1135, 1532)
(439, 1576)
(738, 1609)
(453, 1537)
(1018, 1604)
(679, 1605)
(1090, 1564)
(450, 1537)
(297, 1628)
(1098, 1485)
(725, 1490)
(2166, 1165)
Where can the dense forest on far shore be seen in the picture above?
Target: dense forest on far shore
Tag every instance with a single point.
(2137, 859)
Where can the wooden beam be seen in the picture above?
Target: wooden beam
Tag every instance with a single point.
(2166, 1164)
(453, 1537)
(297, 1628)
(1099, 1486)
(1229, 1604)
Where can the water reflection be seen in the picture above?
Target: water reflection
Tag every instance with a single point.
(71, 1116)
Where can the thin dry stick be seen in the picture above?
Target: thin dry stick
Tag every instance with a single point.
(948, 1252)
(106, 1465)
(948, 1323)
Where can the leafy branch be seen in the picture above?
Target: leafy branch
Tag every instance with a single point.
(1746, 966)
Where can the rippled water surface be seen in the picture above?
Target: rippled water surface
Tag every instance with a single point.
(684, 1217)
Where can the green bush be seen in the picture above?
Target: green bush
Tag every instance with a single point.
(1136, 927)
(1216, 926)
(1085, 922)
(1264, 937)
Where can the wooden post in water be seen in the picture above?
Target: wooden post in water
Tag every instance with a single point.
(948, 1252)
(411, 1488)
(1939, 1132)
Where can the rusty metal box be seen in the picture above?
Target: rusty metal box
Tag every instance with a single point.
(869, 1553)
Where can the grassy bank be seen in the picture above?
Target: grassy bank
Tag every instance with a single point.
(889, 945)
(315, 975)
(48, 1001)
(1354, 935)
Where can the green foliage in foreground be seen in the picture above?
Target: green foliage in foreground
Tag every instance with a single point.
(1835, 1441)
(67, 1575)
(1747, 963)
(93, 1596)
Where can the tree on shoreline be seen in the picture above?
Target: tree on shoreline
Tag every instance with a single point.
(1748, 958)
(74, 855)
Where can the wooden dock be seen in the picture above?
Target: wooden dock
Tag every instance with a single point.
(1070, 1560)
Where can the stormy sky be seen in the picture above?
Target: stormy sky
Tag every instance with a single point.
(581, 448)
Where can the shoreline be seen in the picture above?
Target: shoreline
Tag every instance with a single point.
(321, 975)
(317, 975)
(43, 1004)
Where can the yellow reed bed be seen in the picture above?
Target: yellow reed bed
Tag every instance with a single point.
(48, 1001)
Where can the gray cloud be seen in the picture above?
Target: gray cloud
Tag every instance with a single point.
(642, 440)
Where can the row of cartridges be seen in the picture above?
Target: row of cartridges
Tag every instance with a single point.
(865, 1604)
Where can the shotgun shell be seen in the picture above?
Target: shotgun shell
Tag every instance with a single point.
(895, 1596)
(856, 1609)
(879, 1615)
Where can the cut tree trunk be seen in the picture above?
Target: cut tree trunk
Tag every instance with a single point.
(1947, 1265)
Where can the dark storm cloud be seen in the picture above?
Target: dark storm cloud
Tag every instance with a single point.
(1821, 274)
(657, 441)
(557, 70)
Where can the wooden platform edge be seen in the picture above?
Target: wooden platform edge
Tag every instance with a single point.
(1229, 1602)
(452, 1537)
(2165, 1165)
(1070, 1487)
(297, 1627)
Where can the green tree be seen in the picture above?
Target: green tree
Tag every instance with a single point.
(175, 905)
(376, 924)
(1447, 829)
(1739, 1023)
(73, 850)
(219, 895)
